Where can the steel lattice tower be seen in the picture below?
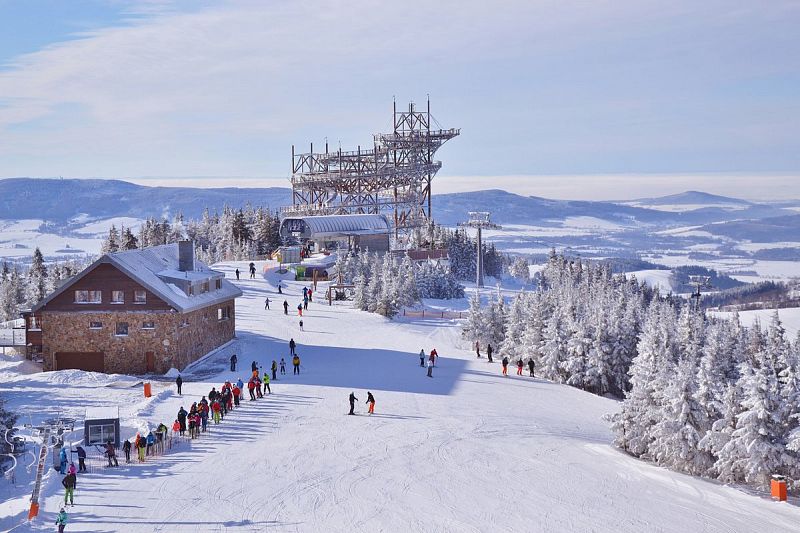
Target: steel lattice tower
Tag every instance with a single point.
(393, 178)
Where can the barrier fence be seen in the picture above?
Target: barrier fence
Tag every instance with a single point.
(429, 313)
(97, 461)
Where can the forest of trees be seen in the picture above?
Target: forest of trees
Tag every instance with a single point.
(700, 395)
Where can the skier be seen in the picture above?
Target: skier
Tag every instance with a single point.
(274, 369)
(240, 385)
(296, 363)
(237, 274)
(305, 304)
(283, 367)
(531, 366)
(253, 368)
(285, 307)
(259, 394)
(81, 458)
(301, 326)
(478, 349)
(300, 309)
(142, 447)
(422, 358)
(215, 410)
(111, 453)
(280, 290)
(62, 466)
(150, 441)
(126, 448)
(266, 383)
(489, 352)
(519, 366)
(234, 360)
(430, 367)
(236, 394)
(371, 402)
(61, 520)
(179, 383)
(353, 401)
(252, 271)
(182, 420)
(266, 303)
(505, 366)
(70, 482)
(292, 346)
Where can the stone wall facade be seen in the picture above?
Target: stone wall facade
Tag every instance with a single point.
(176, 339)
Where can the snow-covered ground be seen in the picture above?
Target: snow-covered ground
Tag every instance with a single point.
(657, 279)
(466, 450)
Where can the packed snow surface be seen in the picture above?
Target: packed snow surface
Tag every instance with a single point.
(466, 450)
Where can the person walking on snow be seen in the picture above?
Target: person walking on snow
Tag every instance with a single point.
(72, 469)
(215, 410)
(489, 353)
(305, 303)
(283, 367)
(280, 290)
(81, 458)
(430, 367)
(253, 368)
(70, 482)
(126, 446)
(251, 388)
(182, 419)
(61, 520)
(371, 402)
(285, 307)
(296, 363)
(422, 358)
(310, 292)
(274, 369)
(505, 366)
(237, 274)
(176, 429)
(301, 326)
(300, 309)
(266, 303)
(236, 395)
(234, 360)
(266, 383)
(62, 465)
(353, 401)
(292, 346)
(478, 348)
(305, 292)
(531, 367)
(519, 367)
(179, 383)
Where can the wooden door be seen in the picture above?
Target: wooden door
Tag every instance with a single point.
(90, 361)
(150, 361)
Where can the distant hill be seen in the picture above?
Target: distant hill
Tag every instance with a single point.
(692, 198)
(59, 200)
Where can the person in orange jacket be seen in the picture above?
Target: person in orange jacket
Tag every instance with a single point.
(236, 393)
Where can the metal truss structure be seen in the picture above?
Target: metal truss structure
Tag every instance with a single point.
(392, 178)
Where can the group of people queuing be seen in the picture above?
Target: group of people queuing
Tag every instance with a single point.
(520, 363)
(215, 406)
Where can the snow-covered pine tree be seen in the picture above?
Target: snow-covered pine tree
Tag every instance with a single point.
(554, 346)
(475, 328)
(512, 345)
(37, 279)
(128, 240)
(111, 243)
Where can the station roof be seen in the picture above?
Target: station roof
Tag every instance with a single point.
(333, 225)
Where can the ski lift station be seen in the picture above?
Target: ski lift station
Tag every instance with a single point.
(329, 232)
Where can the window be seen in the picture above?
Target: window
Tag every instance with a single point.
(219, 284)
(185, 322)
(148, 325)
(95, 325)
(117, 297)
(102, 433)
(88, 297)
(191, 290)
(224, 313)
(204, 287)
(122, 329)
(34, 323)
(139, 297)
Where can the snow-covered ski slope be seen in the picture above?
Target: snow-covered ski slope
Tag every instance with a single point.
(467, 450)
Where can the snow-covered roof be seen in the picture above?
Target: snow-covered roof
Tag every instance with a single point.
(327, 225)
(148, 268)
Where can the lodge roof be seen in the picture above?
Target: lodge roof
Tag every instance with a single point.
(153, 268)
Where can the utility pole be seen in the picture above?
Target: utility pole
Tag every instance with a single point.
(699, 282)
(479, 220)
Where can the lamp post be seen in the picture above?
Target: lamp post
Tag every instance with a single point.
(479, 220)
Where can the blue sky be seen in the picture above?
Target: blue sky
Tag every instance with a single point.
(654, 95)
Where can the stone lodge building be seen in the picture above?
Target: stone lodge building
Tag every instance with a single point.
(135, 312)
